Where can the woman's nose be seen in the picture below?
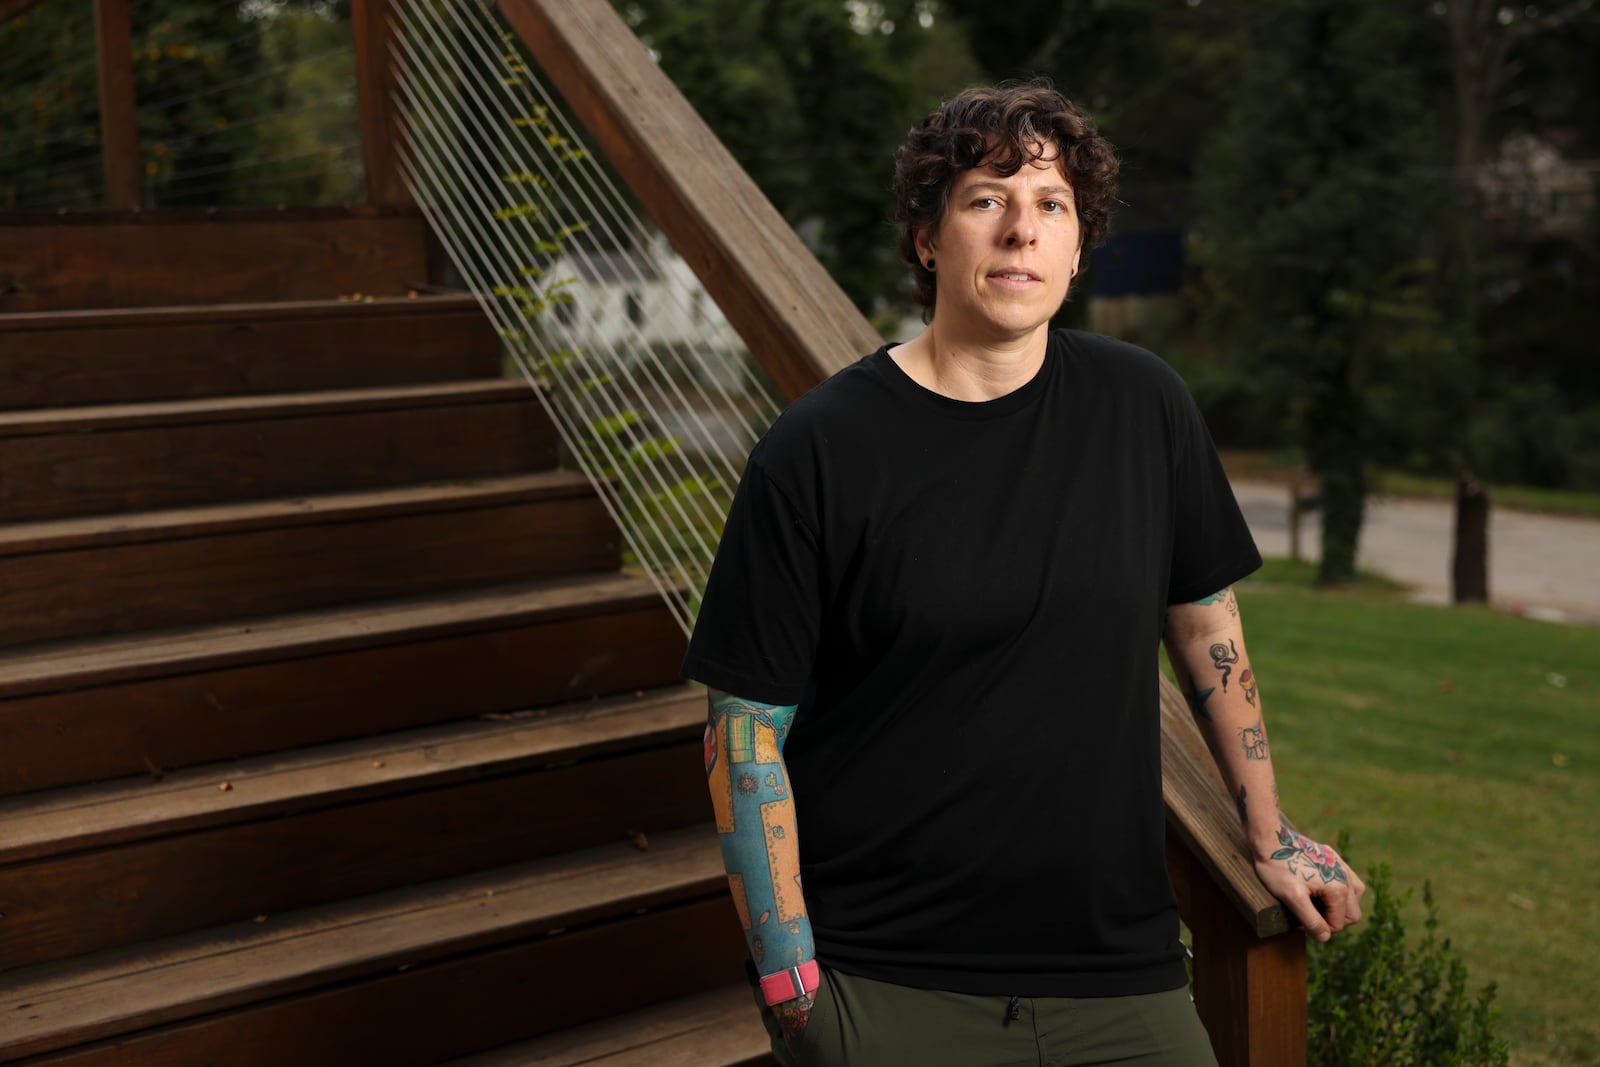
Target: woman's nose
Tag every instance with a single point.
(1020, 229)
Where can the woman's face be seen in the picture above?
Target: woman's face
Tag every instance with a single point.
(1006, 250)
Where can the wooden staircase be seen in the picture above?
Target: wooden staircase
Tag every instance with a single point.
(330, 731)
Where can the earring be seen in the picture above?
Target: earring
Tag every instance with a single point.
(930, 263)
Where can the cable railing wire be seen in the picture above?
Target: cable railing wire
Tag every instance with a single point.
(469, 225)
(615, 362)
(599, 195)
(478, 124)
(492, 247)
(541, 190)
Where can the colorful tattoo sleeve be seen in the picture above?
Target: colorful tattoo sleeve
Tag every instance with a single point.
(756, 827)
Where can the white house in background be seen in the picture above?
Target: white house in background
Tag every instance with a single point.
(1531, 186)
(627, 305)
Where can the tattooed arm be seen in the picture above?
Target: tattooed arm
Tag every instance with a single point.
(756, 827)
(1205, 643)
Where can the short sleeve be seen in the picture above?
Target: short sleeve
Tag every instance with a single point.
(1211, 546)
(756, 632)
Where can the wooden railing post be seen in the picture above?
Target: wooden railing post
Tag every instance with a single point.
(119, 121)
(372, 28)
(1250, 991)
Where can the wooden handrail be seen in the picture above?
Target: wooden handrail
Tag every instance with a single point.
(1250, 965)
(797, 322)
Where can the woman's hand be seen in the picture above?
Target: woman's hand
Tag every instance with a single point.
(793, 1017)
(1313, 882)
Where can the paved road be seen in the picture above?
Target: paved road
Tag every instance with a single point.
(1546, 565)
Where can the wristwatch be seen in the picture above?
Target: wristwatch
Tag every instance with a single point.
(787, 985)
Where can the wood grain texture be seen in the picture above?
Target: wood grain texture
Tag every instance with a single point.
(63, 821)
(119, 264)
(324, 682)
(77, 358)
(376, 84)
(76, 665)
(796, 321)
(419, 1015)
(293, 559)
(83, 902)
(718, 1028)
(1205, 820)
(119, 121)
(67, 462)
(1250, 991)
(196, 976)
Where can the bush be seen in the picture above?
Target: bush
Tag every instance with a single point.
(1376, 1002)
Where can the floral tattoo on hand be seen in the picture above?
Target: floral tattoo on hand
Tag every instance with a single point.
(1307, 858)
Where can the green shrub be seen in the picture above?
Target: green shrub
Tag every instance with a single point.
(1377, 1002)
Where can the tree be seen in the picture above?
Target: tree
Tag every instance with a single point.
(1314, 206)
(811, 97)
(1484, 37)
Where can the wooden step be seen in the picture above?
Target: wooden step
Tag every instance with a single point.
(73, 358)
(153, 702)
(104, 574)
(139, 457)
(112, 259)
(408, 977)
(341, 820)
(717, 1028)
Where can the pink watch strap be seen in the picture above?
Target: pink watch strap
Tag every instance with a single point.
(795, 982)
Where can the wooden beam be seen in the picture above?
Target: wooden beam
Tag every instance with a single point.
(1250, 992)
(797, 322)
(119, 123)
(376, 82)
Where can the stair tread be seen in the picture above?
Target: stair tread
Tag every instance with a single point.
(83, 662)
(101, 814)
(717, 1028)
(183, 314)
(105, 418)
(49, 1006)
(57, 535)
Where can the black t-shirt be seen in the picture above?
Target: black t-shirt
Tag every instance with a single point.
(966, 601)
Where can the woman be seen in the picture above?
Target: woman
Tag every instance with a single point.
(930, 636)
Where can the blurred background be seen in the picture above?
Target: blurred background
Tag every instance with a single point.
(1365, 231)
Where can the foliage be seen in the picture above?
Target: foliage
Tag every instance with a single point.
(237, 103)
(1459, 744)
(1313, 233)
(610, 439)
(1375, 1001)
(811, 102)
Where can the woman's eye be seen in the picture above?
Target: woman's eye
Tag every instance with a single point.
(984, 202)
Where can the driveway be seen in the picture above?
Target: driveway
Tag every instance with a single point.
(1544, 565)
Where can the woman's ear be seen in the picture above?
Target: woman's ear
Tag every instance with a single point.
(923, 239)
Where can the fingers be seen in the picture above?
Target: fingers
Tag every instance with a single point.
(1311, 920)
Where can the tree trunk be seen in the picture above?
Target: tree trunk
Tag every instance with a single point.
(1469, 570)
(1344, 493)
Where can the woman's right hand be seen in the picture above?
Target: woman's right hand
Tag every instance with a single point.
(793, 1016)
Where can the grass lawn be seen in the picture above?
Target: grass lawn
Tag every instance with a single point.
(1462, 746)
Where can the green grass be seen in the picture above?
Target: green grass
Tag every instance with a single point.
(1281, 466)
(1463, 746)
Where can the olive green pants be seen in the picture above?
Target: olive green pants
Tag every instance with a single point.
(858, 1022)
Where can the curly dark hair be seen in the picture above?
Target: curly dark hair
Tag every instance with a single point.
(1000, 126)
